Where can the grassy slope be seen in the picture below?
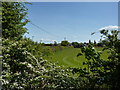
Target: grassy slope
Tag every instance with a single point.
(68, 57)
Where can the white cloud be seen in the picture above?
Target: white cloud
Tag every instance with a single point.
(110, 27)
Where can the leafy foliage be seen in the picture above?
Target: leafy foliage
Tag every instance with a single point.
(19, 66)
(75, 44)
(103, 73)
(13, 19)
(64, 43)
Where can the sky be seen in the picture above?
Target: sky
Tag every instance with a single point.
(72, 21)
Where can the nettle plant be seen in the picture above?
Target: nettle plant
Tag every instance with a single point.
(101, 72)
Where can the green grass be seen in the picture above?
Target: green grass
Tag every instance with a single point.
(68, 57)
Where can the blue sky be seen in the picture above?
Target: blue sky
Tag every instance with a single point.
(73, 20)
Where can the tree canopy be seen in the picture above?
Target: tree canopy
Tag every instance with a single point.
(64, 43)
(14, 19)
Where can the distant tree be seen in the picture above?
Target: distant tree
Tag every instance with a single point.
(65, 43)
(48, 44)
(99, 44)
(75, 44)
(55, 43)
(89, 41)
(95, 43)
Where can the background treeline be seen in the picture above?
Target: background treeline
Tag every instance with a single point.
(101, 43)
(24, 66)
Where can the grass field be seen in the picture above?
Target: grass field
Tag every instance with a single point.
(68, 57)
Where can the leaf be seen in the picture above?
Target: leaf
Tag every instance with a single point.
(79, 54)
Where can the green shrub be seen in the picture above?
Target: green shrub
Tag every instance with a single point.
(103, 73)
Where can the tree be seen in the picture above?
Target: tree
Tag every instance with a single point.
(103, 73)
(13, 19)
(75, 44)
(95, 43)
(19, 65)
(65, 43)
(55, 43)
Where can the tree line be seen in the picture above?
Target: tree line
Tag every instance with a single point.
(101, 43)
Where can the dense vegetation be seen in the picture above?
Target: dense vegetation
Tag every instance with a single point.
(24, 66)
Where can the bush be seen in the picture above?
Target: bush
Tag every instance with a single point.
(103, 73)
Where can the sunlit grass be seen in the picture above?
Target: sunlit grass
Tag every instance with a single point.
(68, 57)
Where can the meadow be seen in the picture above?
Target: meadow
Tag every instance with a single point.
(68, 57)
